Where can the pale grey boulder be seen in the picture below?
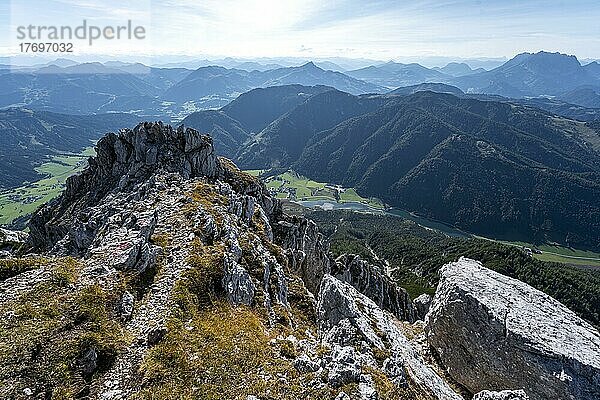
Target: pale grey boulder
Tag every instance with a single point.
(492, 332)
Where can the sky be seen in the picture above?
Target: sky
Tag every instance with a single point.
(376, 29)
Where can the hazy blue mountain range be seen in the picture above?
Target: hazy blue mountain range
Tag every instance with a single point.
(173, 93)
(530, 74)
(526, 75)
(458, 69)
(433, 87)
(393, 75)
(558, 106)
(79, 89)
(159, 93)
(225, 84)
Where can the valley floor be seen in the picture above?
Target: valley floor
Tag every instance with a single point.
(317, 195)
(24, 200)
(16, 204)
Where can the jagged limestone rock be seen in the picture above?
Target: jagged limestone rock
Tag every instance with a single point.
(126, 238)
(392, 367)
(348, 318)
(307, 251)
(126, 306)
(237, 283)
(122, 162)
(502, 395)
(366, 388)
(10, 241)
(422, 304)
(345, 366)
(10, 238)
(236, 280)
(241, 184)
(374, 284)
(493, 332)
(305, 365)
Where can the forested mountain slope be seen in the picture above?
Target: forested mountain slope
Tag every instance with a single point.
(487, 167)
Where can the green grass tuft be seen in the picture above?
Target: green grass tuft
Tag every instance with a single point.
(44, 333)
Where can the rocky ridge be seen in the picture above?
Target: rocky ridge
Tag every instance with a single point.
(164, 234)
(122, 162)
(373, 283)
(164, 271)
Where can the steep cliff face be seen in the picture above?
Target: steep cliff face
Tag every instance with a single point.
(306, 249)
(374, 284)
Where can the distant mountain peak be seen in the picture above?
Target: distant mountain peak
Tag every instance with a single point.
(544, 56)
(309, 65)
(531, 75)
(456, 69)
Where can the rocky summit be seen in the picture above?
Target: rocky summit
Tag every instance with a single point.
(165, 272)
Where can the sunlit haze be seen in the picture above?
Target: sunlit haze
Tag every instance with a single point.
(382, 29)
